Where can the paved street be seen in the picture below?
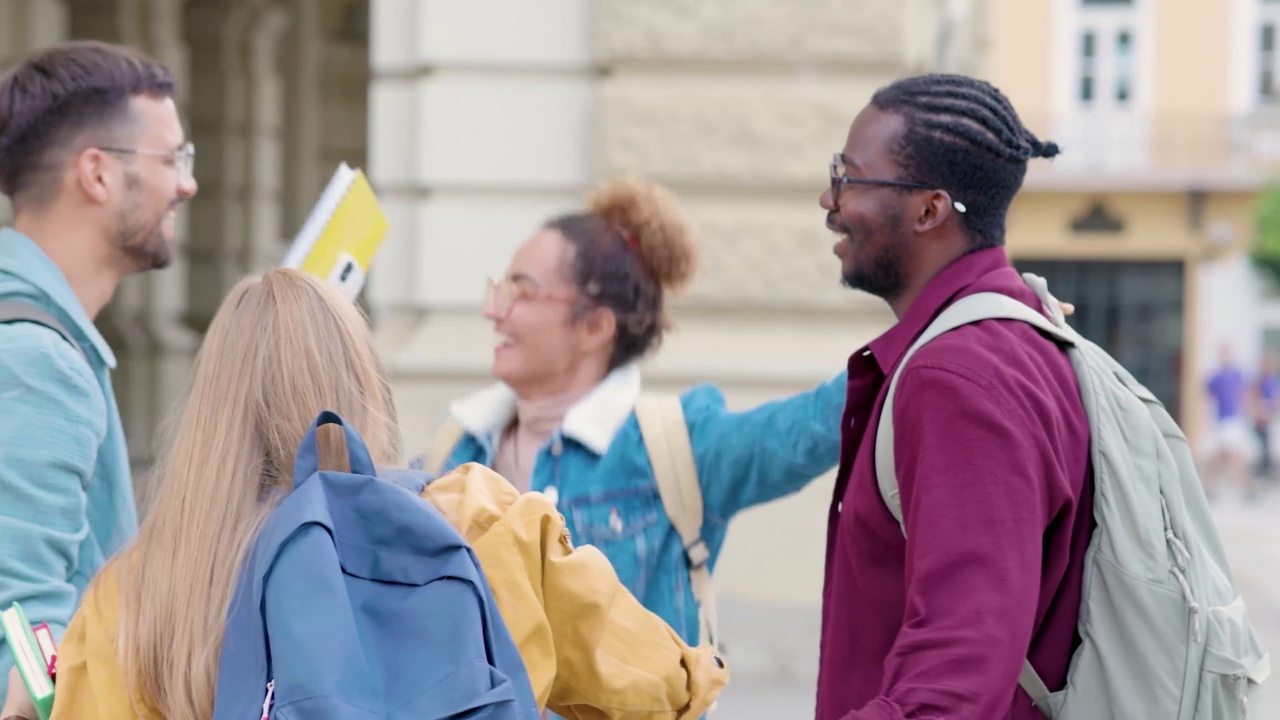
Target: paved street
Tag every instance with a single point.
(773, 651)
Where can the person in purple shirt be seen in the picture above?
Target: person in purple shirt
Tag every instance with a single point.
(1231, 443)
(991, 441)
(1266, 405)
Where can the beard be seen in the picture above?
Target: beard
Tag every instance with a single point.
(140, 238)
(877, 256)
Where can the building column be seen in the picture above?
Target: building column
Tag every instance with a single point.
(478, 132)
(25, 26)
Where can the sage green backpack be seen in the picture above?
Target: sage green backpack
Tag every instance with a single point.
(1165, 633)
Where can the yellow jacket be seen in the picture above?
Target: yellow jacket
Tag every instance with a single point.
(593, 652)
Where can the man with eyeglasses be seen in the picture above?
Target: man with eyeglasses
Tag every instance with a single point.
(95, 162)
(936, 616)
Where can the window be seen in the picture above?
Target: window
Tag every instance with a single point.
(1267, 62)
(1268, 57)
(1106, 64)
(1124, 67)
(1134, 310)
(1088, 67)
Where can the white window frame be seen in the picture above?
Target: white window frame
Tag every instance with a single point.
(1266, 77)
(1103, 133)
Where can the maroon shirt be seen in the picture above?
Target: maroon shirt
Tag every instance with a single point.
(992, 453)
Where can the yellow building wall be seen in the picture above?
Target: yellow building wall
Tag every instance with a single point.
(1191, 55)
(1018, 58)
(1157, 226)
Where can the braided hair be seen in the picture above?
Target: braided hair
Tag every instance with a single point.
(962, 135)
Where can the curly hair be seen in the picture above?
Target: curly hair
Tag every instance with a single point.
(631, 249)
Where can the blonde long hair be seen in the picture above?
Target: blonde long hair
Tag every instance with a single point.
(282, 348)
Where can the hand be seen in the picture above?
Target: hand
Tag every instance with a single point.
(1067, 308)
(18, 702)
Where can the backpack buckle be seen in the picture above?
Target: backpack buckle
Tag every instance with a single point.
(698, 554)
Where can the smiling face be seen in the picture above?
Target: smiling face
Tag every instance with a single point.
(156, 181)
(539, 341)
(871, 220)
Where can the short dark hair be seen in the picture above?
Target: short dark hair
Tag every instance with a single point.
(962, 134)
(629, 251)
(58, 94)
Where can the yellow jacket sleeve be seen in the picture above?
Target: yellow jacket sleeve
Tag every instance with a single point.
(91, 684)
(593, 652)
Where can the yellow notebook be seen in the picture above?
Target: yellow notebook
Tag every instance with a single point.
(29, 659)
(342, 234)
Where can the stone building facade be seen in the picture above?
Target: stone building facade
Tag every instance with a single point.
(478, 119)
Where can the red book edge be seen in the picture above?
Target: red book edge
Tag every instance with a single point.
(43, 633)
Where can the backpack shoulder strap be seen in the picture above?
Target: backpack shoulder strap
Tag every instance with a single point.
(23, 311)
(666, 437)
(446, 439)
(967, 310)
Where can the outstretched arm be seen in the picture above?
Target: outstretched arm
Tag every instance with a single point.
(754, 456)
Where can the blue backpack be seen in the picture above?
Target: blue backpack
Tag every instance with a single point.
(360, 601)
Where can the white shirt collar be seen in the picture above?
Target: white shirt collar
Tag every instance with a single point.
(593, 421)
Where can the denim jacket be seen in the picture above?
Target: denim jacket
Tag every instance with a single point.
(595, 468)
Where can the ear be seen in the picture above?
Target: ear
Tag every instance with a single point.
(933, 212)
(93, 175)
(598, 329)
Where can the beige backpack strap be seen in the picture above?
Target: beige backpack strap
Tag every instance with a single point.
(666, 436)
(447, 437)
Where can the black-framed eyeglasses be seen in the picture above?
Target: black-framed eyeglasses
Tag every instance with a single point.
(184, 158)
(838, 178)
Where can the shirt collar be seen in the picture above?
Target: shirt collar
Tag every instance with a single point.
(593, 421)
(22, 258)
(945, 286)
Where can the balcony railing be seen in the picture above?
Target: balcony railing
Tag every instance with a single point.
(1155, 150)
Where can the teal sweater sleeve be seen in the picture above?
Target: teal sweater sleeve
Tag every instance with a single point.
(52, 422)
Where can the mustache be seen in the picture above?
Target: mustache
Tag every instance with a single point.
(834, 224)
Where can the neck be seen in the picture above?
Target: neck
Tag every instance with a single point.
(578, 381)
(926, 269)
(77, 249)
(542, 416)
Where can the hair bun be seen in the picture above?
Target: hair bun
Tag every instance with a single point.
(652, 218)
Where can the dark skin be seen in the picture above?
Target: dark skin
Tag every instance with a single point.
(893, 241)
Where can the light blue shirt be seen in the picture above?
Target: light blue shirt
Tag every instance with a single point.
(66, 494)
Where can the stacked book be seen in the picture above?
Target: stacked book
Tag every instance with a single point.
(34, 654)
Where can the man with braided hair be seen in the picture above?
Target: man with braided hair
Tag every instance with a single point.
(934, 617)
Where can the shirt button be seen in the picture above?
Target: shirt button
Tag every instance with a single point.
(552, 494)
(840, 506)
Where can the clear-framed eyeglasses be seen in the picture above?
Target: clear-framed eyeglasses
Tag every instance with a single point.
(502, 295)
(183, 158)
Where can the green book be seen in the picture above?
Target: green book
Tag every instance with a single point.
(28, 658)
